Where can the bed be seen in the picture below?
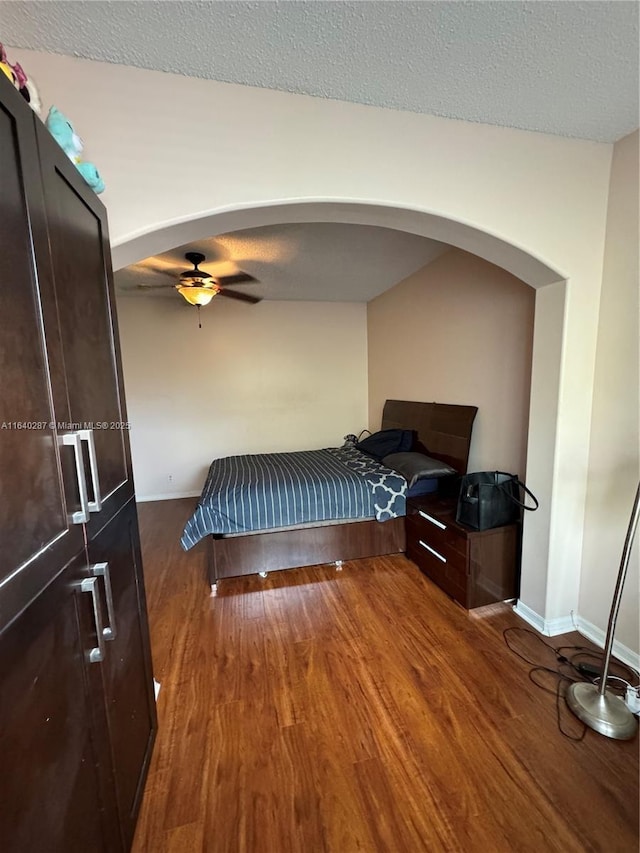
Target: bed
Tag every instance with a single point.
(365, 513)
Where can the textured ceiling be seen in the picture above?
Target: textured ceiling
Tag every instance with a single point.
(310, 261)
(566, 67)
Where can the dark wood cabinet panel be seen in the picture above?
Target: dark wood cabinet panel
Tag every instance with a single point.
(51, 796)
(126, 674)
(77, 710)
(81, 263)
(33, 507)
(473, 567)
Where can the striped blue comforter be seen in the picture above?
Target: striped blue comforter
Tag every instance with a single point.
(262, 491)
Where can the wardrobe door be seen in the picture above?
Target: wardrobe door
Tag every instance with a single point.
(114, 558)
(36, 531)
(81, 262)
(55, 782)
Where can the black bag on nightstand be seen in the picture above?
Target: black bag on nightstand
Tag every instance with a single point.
(491, 499)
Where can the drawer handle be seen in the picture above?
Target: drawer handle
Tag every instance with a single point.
(431, 551)
(72, 439)
(432, 520)
(90, 585)
(102, 570)
(87, 435)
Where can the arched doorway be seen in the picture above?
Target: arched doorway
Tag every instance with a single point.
(546, 576)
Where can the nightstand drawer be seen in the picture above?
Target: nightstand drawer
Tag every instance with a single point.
(448, 542)
(436, 529)
(450, 577)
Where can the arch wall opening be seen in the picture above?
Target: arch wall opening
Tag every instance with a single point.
(544, 570)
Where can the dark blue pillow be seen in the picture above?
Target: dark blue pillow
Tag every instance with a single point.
(417, 466)
(422, 487)
(385, 442)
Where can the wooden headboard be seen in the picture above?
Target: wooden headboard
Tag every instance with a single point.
(443, 430)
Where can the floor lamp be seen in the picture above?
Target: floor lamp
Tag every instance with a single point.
(596, 706)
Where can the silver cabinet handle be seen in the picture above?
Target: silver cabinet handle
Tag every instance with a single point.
(432, 520)
(101, 570)
(432, 551)
(87, 435)
(72, 439)
(90, 585)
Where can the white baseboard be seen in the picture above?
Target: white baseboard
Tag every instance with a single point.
(534, 619)
(598, 636)
(169, 496)
(548, 627)
(564, 624)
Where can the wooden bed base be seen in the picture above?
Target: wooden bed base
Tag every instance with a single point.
(307, 546)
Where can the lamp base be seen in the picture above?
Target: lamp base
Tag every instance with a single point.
(606, 714)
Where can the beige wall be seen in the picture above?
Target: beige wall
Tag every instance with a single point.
(531, 203)
(270, 377)
(614, 459)
(465, 332)
(548, 337)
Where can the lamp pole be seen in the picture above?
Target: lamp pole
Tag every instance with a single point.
(596, 706)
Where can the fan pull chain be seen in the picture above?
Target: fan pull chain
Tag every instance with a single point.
(199, 322)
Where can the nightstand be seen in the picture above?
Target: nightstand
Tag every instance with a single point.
(473, 567)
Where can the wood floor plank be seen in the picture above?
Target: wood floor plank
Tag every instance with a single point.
(360, 710)
(188, 759)
(325, 786)
(332, 714)
(184, 839)
(288, 665)
(393, 830)
(326, 811)
(226, 782)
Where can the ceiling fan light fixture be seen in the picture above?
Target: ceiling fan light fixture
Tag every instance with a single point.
(198, 295)
(197, 278)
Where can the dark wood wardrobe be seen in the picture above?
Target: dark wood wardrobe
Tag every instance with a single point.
(77, 708)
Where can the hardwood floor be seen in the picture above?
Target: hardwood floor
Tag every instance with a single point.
(359, 711)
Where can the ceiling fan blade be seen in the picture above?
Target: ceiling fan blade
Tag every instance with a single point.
(243, 297)
(158, 270)
(141, 286)
(236, 278)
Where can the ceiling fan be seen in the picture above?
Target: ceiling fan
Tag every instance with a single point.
(199, 287)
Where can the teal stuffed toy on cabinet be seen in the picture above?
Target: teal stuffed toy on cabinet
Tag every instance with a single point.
(62, 131)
